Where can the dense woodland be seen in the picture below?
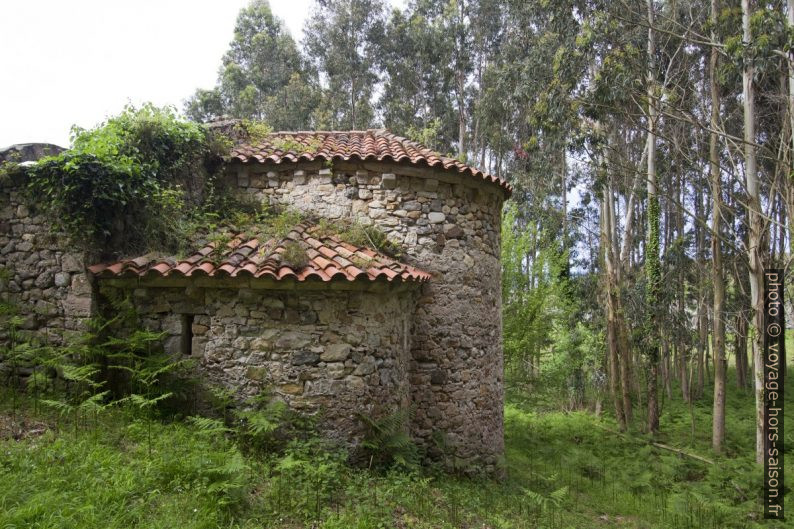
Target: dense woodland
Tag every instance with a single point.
(651, 150)
(650, 146)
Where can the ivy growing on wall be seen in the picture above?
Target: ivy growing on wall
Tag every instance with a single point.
(147, 180)
(125, 184)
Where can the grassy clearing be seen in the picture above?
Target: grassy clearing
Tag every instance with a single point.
(564, 471)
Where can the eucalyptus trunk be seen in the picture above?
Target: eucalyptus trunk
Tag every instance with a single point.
(740, 349)
(621, 329)
(460, 78)
(790, 194)
(683, 357)
(612, 311)
(652, 265)
(625, 363)
(701, 353)
(718, 424)
(755, 233)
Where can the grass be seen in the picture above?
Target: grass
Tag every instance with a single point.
(565, 470)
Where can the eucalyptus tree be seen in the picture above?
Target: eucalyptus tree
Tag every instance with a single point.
(652, 266)
(416, 91)
(755, 225)
(341, 42)
(452, 18)
(787, 186)
(262, 76)
(718, 281)
(613, 103)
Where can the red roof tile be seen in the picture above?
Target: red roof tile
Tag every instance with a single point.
(327, 258)
(375, 144)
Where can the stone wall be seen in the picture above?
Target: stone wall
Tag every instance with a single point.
(449, 225)
(44, 279)
(326, 352)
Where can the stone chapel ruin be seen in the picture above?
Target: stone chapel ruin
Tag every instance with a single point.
(351, 330)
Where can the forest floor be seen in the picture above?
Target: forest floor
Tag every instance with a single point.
(565, 470)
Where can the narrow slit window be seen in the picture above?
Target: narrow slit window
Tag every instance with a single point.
(187, 334)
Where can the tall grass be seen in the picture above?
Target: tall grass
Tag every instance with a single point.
(564, 470)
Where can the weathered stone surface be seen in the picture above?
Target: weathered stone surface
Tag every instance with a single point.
(389, 180)
(300, 358)
(78, 306)
(336, 352)
(293, 340)
(45, 308)
(451, 228)
(438, 377)
(257, 373)
(452, 231)
(173, 345)
(291, 389)
(40, 271)
(307, 361)
(71, 263)
(62, 279)
(435, 217)
(335, 370)
(28, 152)
(366, 367)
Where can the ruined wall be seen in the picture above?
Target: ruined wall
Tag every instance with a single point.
(450, 226)
(39, 274)
(336, 353)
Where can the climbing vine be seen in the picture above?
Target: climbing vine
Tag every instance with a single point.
(653, 274)
(131, 175)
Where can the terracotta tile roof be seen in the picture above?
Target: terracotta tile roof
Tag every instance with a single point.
(374, 144)
(327, 258)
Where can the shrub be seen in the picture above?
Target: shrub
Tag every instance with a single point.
(131, 175)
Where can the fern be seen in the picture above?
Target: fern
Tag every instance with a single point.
(144, 403)
(221, 399)
(63, 408)
(258, 428)
(209, 427)
(387, 442)
(94, 403)
(536, 499)
(544, 502)
(227, 479)
(558, 496)
(84, 374)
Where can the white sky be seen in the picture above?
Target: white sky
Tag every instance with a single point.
(68, 62)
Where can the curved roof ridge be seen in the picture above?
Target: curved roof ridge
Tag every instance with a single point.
(370, 144)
